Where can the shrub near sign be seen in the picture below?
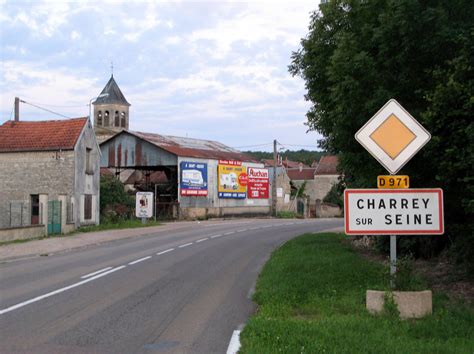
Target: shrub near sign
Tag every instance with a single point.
(258, 183)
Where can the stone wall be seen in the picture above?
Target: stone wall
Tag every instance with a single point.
(323, 184)
(26, 173)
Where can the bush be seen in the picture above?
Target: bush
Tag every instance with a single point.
(115, 203)
(335, 196)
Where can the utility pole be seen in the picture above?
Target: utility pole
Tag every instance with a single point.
(17, 109)
(274, 185)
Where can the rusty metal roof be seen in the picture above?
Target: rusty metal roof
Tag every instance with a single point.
(189, 147)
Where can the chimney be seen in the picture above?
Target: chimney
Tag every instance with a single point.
(17, 109)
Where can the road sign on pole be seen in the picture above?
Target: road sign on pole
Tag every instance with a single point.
(392, 136)
(393, 211)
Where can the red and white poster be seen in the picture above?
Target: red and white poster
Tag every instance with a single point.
(258, 183)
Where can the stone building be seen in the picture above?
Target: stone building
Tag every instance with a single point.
(111, 111)
(49, 172)
(325, 176)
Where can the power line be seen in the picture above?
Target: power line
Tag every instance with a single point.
(45, 109)
(58, 106)
(246, 146)
(298, 145)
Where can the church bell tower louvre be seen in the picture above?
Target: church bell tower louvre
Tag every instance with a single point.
(111, 111)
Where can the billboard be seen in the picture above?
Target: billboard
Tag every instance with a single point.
(232, 181)
(144, 205)
(258, 183)
(193, 181)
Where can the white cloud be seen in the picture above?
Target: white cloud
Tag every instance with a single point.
(261, 21)
(75, 35)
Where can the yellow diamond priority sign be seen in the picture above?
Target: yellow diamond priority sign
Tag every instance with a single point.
(392, 136)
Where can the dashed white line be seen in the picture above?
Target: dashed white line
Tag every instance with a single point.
(163, 252)
(254, 228)
(216, 236)
(185, 245)
(242, 230)
(234, 344)
(139, 260)
(94, 273)
(229, 233)
(58, 291)
(202, 240)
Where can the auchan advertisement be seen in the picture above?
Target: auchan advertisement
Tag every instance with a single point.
(232, 181)
(258, 183)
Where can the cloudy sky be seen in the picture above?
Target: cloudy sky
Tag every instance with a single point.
(210, 70)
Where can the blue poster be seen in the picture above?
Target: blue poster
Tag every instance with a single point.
(193, 181)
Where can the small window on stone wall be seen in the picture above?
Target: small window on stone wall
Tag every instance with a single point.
(99, 118)
(89, 166)
(106, 119)
(117, 119)
(87, 206)
(123, 121)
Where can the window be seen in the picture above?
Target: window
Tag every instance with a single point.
(123, 121)
(89, 166)
(35, 209)
(117, 119)
(99, 118)
(87, 206)
(106, 119)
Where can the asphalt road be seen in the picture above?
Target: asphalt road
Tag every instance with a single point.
(185, 291)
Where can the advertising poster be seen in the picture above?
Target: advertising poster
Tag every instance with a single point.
(232, 181)
(258, 183)
(144, 205)
(193, 181)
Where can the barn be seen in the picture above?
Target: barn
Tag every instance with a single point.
(198, 178)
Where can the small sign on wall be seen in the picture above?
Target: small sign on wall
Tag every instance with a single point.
(144, 205)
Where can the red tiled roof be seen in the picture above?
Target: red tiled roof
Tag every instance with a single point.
(327, 165)
(304, 175)
(286, 163)
(41, 135)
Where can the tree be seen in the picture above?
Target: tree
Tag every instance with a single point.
(115, 203)
(359, 54)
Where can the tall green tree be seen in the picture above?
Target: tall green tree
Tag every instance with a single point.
(358, 54)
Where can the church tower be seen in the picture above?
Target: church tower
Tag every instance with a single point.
(111, 111)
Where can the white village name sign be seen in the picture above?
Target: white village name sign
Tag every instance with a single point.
(397, 211)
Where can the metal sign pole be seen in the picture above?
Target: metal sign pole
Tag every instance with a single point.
(393, 259)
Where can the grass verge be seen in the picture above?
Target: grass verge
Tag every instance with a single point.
(124, 224)
(311, 298)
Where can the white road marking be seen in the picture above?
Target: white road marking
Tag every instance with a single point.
(185, 245)
(139, 260)
(96, 272)
(215, 236)
(229, 233)
(202, 240)
(254, 228)
(234, 344)
(163, 252)
(58, 291)
(242, 230)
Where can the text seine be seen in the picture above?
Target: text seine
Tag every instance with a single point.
(396, 204)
